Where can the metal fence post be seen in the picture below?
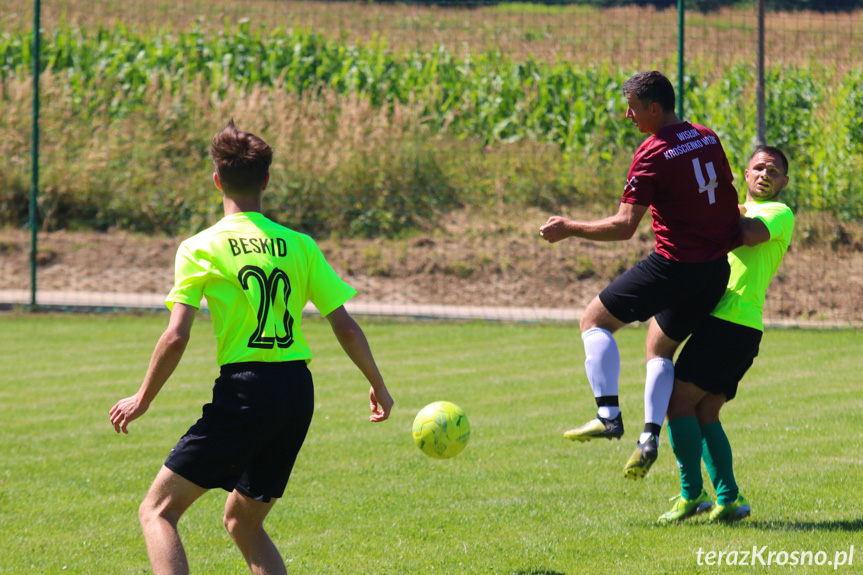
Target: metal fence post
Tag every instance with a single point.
(34, 151)
(761, 135)
(681, 41)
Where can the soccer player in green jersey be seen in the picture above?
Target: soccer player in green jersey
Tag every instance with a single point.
(722, 349)
(257, 277)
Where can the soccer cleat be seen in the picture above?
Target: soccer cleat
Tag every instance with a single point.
(736, 511)
(642, 458)
(597, 429)
(684, 508)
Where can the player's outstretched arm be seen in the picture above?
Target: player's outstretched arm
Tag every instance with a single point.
(620, 226)
(166, 356)
(356, 346)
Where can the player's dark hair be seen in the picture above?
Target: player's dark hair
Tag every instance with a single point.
(242, 160)
(773, 151)
(650, 87)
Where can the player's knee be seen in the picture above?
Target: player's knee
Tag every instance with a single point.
(707, 411)
(142, 515)
(595, 315)
(679, 407)
(659, 345)
(241, 530)
(683, 400)
(149, 512)
(236, 525)
(229, 523)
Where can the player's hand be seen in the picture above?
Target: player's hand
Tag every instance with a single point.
(554, 230)
(742, 209)
(381, 404)
(125, 411)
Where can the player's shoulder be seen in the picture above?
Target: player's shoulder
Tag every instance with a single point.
(651, 146)
(702, 128)
(202, 237)
(774, 209)
(778, 217)
(298, 239)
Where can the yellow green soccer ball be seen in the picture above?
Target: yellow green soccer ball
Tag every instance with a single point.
(441, 430)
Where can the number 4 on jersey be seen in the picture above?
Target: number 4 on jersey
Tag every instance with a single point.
(710, 185)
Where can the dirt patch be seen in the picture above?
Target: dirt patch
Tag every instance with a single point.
(500, 264)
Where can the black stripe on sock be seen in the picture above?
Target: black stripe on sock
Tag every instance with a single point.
(607, 401)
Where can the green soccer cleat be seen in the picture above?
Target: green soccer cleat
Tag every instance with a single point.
(597, 429)
(642, 458)
(684, 508)
(736, 511)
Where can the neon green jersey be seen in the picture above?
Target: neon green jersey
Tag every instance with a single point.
(257, 277)
(752, 268)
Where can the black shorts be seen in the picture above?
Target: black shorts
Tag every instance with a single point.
(248, 438)
(717, 355)
(678, 295)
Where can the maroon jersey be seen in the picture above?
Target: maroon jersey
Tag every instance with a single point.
(682, 173)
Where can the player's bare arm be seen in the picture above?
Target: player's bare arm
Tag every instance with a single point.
(356, 346)
(754, 231)
(620, 226)
(166, 356)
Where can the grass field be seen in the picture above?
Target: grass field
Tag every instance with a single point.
(519, 500)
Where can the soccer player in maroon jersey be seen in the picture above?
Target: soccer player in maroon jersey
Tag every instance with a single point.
(681, 173)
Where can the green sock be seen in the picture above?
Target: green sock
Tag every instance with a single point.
(684, 434)
(718, 460)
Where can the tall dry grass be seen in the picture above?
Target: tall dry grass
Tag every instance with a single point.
(341, 166)
(348, 166)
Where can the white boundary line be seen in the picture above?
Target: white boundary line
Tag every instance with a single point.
(117, 300)
(156, 301)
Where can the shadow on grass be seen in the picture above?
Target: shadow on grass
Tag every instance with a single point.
(537, 572)
(851, 526)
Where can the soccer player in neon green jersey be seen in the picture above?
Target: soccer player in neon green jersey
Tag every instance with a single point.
(722, 349)
(257, 277)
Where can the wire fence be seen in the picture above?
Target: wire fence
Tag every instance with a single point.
(421, 145)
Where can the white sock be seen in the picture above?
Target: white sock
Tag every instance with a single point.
(657, 389)
(602, 364)
(645, 436)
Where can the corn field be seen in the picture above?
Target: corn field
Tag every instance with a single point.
(379, 139)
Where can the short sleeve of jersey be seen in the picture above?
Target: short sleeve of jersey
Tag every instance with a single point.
(326, 289)
(641, 179)
(779, 221)
(190, 276)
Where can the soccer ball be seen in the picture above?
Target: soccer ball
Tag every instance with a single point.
(441, 430)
